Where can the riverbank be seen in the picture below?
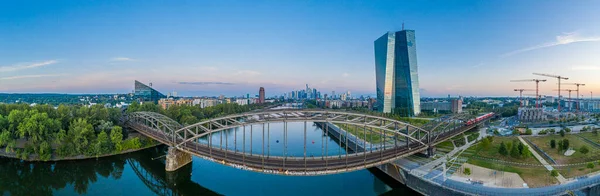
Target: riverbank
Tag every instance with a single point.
(55, 157)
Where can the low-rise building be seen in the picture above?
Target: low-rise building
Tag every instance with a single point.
(531, 114)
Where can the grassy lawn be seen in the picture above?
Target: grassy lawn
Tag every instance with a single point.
(473, 136)
(445, 146)
(575, 171)
(533, 176)
(492, 151)
(575, 142)
(591, 136)
(371, 136)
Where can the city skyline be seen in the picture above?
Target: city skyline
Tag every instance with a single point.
(101, 47)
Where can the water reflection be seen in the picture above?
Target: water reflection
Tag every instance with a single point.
(41, 178)
(75, 177)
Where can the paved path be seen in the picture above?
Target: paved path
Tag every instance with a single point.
(549, 167)
(428, 167)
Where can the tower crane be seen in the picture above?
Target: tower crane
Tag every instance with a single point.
(570, 90)
(521, 95)
(557, 77)
(537, 84)
(576, 84)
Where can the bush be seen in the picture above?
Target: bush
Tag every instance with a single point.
(567, 129)
(584, 149)
(528, 131)
(516, 132)
(552, 131)
(590, 166)
(562, 133)
(554, 173)
(467, 171)
(552, 143)
(542, 132)
(502, 150)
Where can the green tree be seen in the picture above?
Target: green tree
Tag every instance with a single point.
(520, 147)
(116, 137)
(83, 135)
(103, 144)
(528, 131)
(584, 149)
(590, 166)
(565, 144)
(554, 173)
(514, 152)
(467, 171)
(45, 151)
(552, 143)
(560, 145)
(502, 150)
(485, 143)
(526, 152)
(562, 133)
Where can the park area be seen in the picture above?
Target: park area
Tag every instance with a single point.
(576, 142)
(526, 166)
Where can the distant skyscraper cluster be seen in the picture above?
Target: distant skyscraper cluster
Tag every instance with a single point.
(308, 93)
(397, 80)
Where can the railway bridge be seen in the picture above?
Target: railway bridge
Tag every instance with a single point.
(399, 139)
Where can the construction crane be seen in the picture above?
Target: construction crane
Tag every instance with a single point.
(521, 95)
(576, 84)
(557, 77)
(570, 90)
(537, 87)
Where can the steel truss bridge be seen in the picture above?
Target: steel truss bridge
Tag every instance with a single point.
(400, 139)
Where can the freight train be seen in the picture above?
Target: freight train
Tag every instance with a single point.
(480, 118)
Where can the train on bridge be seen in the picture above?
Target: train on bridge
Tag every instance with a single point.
(478, 119)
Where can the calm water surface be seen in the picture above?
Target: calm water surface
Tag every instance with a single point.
(138, 174)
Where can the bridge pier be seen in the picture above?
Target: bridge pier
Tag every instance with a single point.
(430, 151)
(176, 159)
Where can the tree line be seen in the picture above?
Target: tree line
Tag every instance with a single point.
(68, 130)
(187, 114)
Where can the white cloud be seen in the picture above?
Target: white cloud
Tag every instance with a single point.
(345, 75)
(121, 59)
(26, 66)
(566, 38)
(585, 68)
(29, 76)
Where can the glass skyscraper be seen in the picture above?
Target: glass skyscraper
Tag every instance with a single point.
(396, 74)
(146, 93)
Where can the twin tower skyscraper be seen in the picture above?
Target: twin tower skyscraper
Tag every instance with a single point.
(396, 72)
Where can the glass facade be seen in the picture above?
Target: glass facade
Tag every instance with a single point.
(396, 73)
(146, 93)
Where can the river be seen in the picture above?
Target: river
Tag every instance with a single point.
(139, 174)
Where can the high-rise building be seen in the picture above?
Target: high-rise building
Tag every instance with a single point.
(146, 93)
(396, 73)
(261, 95)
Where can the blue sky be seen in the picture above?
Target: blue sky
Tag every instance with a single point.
(234, 47)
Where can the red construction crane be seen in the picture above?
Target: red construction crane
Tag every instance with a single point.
(537, 87)
(521, 95)
(576, 84)
(557, 77)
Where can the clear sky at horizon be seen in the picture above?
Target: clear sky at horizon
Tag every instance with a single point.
(469, 48)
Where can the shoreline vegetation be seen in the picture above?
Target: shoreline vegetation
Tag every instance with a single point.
(75, 132)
